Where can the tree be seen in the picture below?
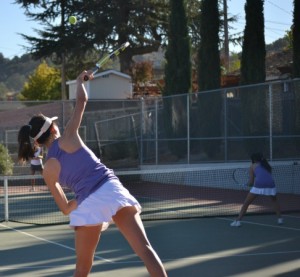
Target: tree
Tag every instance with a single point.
(101, 24)
(193, 11)
(3, 91)
(253, 68)
(209, 57)
(142, 23)
(209, 74)
(296, 40)
(15, 81)
(142, 72)
(296, 58)
(178, 64)
(56, 40)
(44, 84)
(178, 79)
(253, 100)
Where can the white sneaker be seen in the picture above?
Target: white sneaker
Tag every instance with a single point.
(280, 221)
(235, 223)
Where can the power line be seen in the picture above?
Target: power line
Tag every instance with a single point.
(266, 21)
(279, 23)
(289, 13)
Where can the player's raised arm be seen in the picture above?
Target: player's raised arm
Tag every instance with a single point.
(81, 100)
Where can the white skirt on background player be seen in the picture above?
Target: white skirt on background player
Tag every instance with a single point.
(263, 191)
(102, 205)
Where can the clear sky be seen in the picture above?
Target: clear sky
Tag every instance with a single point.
(278, 19)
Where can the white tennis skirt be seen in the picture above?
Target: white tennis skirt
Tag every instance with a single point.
(99, 207)
(263, 191)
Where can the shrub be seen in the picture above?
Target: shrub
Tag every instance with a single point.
(6, 162)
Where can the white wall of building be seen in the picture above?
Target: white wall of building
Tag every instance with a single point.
(110, 84)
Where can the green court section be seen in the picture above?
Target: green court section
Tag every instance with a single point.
(188, 247)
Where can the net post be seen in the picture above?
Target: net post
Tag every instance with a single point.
(156, 132)
(225, 126)
(6, 213)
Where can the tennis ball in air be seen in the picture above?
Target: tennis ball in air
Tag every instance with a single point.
(72, 19)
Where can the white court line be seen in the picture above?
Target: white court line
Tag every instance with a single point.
(260, 224)
(292, 216)
(215, 256)
(66, 267)
(49, 241)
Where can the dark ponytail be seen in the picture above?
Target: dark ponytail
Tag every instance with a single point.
(26, 151)
(259, 157)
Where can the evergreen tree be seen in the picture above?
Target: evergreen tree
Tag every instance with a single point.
(54, 40)
(296, 59)
(177, 75)
(253, 100)
(101, 26)
(209, 102)
(253, 68)
(209, 57)
(178, 59)
(296, 40)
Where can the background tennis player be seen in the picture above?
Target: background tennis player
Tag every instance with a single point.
(262, 183)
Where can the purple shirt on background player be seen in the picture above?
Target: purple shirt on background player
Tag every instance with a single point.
(263, 178)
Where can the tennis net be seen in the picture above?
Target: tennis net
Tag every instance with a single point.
(164, 193)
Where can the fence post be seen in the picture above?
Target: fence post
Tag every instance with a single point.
(142, 129)
(156, 131)
(6, 213)
(270, 122)
(188, 126)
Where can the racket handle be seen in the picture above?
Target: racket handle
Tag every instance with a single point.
(95, 69)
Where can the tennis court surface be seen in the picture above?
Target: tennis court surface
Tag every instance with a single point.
(186, 211)
(188, 247)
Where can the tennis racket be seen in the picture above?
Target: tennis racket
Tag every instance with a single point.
(241, 176)
(108, 57)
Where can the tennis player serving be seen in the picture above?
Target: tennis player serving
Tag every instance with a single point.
(100, 198)
(261, 183)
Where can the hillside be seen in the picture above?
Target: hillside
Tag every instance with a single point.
(14, 72)
(279, 64)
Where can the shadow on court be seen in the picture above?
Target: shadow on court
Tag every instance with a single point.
(196, 247)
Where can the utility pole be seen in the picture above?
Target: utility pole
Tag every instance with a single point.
(226, 39)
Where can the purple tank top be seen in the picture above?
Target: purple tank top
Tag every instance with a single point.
(263, 178)
(81, 171)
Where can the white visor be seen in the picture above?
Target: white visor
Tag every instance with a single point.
(45, 127)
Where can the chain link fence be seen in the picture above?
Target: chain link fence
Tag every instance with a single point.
(224, 125)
